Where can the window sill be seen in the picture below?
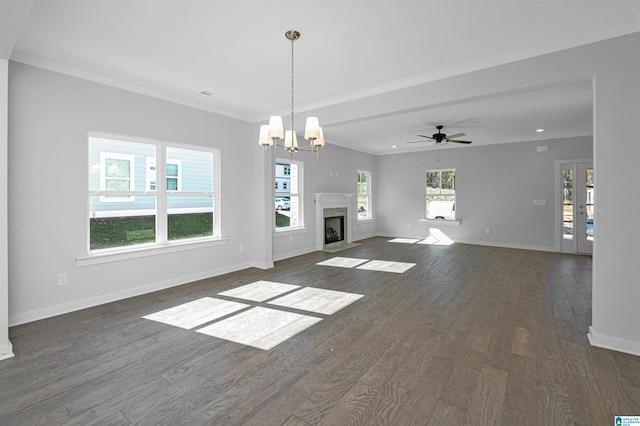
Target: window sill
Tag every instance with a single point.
(290, 231)
(138, 252)
(365, 220)
(440, 222)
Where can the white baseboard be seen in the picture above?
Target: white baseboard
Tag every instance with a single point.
(613, 343)
(364, 237)
(262, 265)
(295, 253)
(6, 351)
(506, 245)
(475, 242)
(52, 311)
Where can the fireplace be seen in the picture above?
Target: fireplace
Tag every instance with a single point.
(333, 228)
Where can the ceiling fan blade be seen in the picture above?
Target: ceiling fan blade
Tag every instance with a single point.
(457, 135)
(455, 141)
(418, 141)
(428, 137)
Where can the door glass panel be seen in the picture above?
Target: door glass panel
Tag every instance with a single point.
(589, 203)
(567, 204)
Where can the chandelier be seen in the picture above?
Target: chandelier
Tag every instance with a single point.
(273, 132)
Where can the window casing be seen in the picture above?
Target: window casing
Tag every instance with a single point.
(177, 202)
(289, 184)
(440, 194)
(364, 195)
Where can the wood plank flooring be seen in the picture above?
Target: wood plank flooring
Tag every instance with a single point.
(471, 335)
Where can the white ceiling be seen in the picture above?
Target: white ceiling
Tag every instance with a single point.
(349, 50)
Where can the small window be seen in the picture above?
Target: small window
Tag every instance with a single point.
(364, 195)
(116, 175)
(441, 194)
(288, 194)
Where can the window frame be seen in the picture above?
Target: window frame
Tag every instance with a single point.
(435, 197)
(368, 210)
(162, 243)
(299, 194)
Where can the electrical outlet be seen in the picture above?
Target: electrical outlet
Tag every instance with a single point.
(241, 247)
(62, 278)
(488, 230)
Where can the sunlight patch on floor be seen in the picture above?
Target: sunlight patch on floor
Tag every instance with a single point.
(259, 291)
(387, 266)
(437, 237)
(195, 313)
(405, 240)
(370, 265)
(260, 327)
(343, 262)
(317, 300)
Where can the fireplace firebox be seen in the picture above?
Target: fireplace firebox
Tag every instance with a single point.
(333, 229)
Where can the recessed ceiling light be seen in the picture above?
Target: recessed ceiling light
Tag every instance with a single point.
(394, 146)
(539, 130)
(206, 93)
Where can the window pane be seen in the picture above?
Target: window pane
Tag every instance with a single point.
(567, 204)
(117, 168)
(116, 224)
(192, 169)
(433, 182)
(293, 208)
(283, 211)
(189, 217)
(448, 181)
(363, 206)
(117, 185)
(172, 184)
(293, 184)
(172, 169)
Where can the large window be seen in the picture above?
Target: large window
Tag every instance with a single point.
(441, 194)
(288, 194)
(132, 202)
(364, 194)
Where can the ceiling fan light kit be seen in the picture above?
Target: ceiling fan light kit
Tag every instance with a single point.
(273, 132)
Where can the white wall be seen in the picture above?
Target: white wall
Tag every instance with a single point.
(49, 117)
(333, 171)
(6, 350)
(495, 188)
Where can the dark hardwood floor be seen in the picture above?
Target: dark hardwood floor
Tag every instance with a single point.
(470, 335)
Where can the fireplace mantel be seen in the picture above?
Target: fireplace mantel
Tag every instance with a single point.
(332, 200)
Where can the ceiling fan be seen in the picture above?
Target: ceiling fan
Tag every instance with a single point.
(441, 137)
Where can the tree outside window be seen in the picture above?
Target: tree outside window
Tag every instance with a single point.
(364, 194)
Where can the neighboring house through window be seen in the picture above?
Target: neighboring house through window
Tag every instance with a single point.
(441, 194)
(364, 194)
(173, 176)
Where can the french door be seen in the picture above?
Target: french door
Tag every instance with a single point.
(578, 207)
